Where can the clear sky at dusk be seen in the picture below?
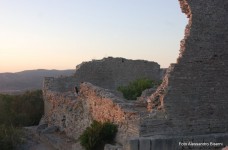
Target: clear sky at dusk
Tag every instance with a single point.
(57, 34)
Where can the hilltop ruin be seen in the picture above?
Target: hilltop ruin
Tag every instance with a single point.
(189, 106)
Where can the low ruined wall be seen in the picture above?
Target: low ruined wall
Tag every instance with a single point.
(108, 73)
(104, 106)
(72, 115)
(53, 86)
(66, 112)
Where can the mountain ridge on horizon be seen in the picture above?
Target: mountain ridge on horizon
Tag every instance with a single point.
(28, 70)
(28, 79)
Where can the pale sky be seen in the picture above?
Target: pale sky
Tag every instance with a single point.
(59, 34)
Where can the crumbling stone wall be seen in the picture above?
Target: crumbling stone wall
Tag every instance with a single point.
(192, 99)
(193, 96)
(58, 85)
(73, 114)
(108, 73)
(104, 106)
(67, 113)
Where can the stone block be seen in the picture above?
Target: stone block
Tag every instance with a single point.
(134, 144)
(164, 144)
(112, 147)
(144, 144)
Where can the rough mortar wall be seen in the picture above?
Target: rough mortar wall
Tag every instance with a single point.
(72, 115)
(193, 96)
(105, 106)
(111, 72)
(108, 73)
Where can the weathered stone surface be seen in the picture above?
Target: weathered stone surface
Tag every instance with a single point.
(104, 106)
(72, 115)
(193, 95)
(144, 144)
(196, 142)
(191, 101)
(134, 144)
(108, 73)
(112, 147)
(111, 72)
(50, 129)
(41, 127)
(66, 112)
(145, 95)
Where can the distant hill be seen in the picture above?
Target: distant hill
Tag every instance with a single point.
(29, 79)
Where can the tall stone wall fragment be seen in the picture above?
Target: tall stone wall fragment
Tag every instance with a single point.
(194, 92)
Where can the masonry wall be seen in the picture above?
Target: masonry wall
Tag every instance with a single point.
(193, 96)
(104, 106)
(58, 86)
(73, 114)
(108, 73)
(111, 72)
(67, 113)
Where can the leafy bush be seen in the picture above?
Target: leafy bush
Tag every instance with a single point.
(10, 137)
(97, 135)
(135, 88)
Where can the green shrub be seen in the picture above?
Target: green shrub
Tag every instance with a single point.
(108, 132)
(10, 137)
(97, 135)
(17, 111)
(135, 88)
(21, 110)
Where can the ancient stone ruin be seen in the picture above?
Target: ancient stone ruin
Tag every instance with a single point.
(72, 114)
(193, 97)
(189, 106)
(198, 82)
(111, 72)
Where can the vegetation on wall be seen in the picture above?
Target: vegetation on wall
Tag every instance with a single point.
(17, 111)
(97, 135)
(135, 88)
